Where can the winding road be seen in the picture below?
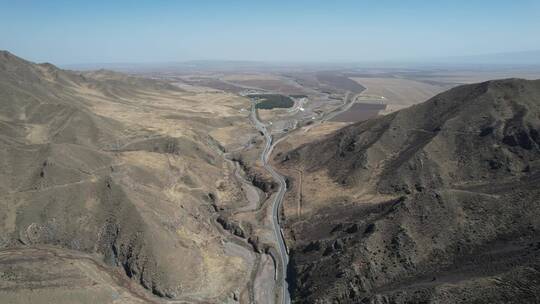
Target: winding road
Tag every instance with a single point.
(278, 200)
(349, 100)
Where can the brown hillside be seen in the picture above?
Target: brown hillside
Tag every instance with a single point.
(437, 203)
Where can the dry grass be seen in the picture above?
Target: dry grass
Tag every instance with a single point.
(178, 114)
(399, 91)
(53, 276)
(167, 192)
(307, 134)
(464, 77)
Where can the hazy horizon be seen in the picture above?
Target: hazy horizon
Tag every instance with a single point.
(72, 33)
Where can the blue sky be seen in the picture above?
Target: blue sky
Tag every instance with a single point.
(71, 32)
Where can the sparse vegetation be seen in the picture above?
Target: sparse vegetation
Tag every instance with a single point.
(378, 194)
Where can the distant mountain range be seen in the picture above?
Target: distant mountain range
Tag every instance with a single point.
(519, 59)
(505, 58)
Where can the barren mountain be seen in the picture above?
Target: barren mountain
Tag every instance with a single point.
(437, 203)
(115, 180)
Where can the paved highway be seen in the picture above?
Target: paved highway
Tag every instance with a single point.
(349, 100)
(278, 200)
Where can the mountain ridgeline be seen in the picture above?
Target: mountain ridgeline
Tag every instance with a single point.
(113, 187)
(96, 178)
(439, 203)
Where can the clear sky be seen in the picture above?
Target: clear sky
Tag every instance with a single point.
(93, 31)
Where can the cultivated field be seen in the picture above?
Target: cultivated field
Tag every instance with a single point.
(360, 112)
(399, 91)
(267, 82)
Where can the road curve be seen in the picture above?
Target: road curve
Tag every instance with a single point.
(349, 100)
(278, 200)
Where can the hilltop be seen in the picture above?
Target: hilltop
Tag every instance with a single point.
(110, 184)
(436, 203)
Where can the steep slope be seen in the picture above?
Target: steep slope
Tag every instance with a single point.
(437, 203)
(90, 163)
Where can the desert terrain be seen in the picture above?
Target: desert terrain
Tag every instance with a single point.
(194, 186)
(128, 172)
(432, 204)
